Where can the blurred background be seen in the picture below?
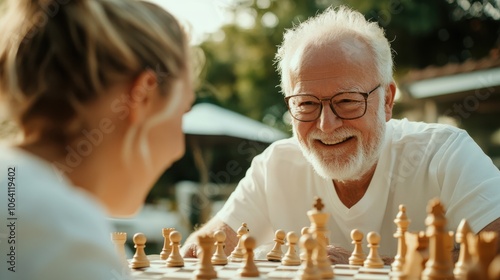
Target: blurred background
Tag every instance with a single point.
(447, 67)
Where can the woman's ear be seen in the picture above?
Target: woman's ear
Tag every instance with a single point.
(141, 96)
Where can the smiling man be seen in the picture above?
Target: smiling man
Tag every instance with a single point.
(336, 71)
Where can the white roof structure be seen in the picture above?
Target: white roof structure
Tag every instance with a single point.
(211, 120)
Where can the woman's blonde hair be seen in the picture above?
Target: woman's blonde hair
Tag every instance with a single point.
(56, 56)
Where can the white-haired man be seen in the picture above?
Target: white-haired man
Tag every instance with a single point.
(336, 71)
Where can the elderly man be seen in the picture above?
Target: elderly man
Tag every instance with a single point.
(336, 71)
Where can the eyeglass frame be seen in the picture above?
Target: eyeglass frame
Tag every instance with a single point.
(321, 100)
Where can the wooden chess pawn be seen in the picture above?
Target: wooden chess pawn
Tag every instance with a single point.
(238, 253)
(309, 270)
(219, 257)
(175, 259)
(167, 249)
(275, 254)
(465, 257)
(291, 258)
(139, 260)
(119, 239)
(303, 231)
(402, 223)
(205, 269)
(358, 256)
(249, 268)
(373, 260)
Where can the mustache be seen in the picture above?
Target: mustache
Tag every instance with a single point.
(338, 135)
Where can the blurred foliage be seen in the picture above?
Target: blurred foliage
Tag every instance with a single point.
(240, 73)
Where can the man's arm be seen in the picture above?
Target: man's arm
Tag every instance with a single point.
(189, 249)
(494, 226)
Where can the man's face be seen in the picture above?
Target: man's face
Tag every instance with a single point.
(339, 149)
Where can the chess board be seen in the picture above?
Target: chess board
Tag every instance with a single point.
(267, 269)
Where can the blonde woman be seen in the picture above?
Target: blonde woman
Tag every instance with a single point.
(98, 89)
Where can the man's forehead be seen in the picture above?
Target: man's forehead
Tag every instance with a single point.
(347, 49)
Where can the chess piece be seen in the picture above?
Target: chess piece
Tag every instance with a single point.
(175, 259)
(358, 256)
(309, 269)
(291, 258)
(318, 229)
(119, 239)
(219, 257)
(275, 254)
(373, 260)
(303, 231)
(167, 249)
(465, 257)
(494, 269)
(205, 269)
(238, 253)
(249, 268)
(483, 248)
(439, 265)
(416, 254)
(402, 223)
(139, 260)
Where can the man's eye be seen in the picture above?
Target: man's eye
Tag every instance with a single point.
(308, 103)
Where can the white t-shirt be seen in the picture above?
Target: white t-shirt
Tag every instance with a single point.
(418, 162)
(60, 232)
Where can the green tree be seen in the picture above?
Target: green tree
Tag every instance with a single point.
(241, 75)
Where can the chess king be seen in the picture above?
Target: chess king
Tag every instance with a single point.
(337, 79)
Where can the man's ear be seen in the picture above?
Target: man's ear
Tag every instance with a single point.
(140, 95)
(390, 93)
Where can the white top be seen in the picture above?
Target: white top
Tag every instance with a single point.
(418, 162)
(60, 232)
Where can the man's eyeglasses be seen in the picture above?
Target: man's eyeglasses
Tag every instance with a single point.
(345, 105)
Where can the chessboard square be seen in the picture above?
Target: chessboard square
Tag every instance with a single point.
(347, 266)
(369, 276)
(282, 274)
(384, 271)
(345, 272)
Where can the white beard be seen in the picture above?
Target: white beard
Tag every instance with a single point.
(345, 167)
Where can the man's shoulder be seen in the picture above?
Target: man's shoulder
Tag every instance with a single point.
(404, 130)
(288, 148)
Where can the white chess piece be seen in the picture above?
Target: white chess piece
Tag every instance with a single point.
(291, 258)
(219, 257)
(139, 260)
(175, 259)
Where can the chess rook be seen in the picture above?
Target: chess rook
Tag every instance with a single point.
(119, 239)
(205, 270)
(167, 249)
(139, 260)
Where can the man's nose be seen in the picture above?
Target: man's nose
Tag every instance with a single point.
(327, 120)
